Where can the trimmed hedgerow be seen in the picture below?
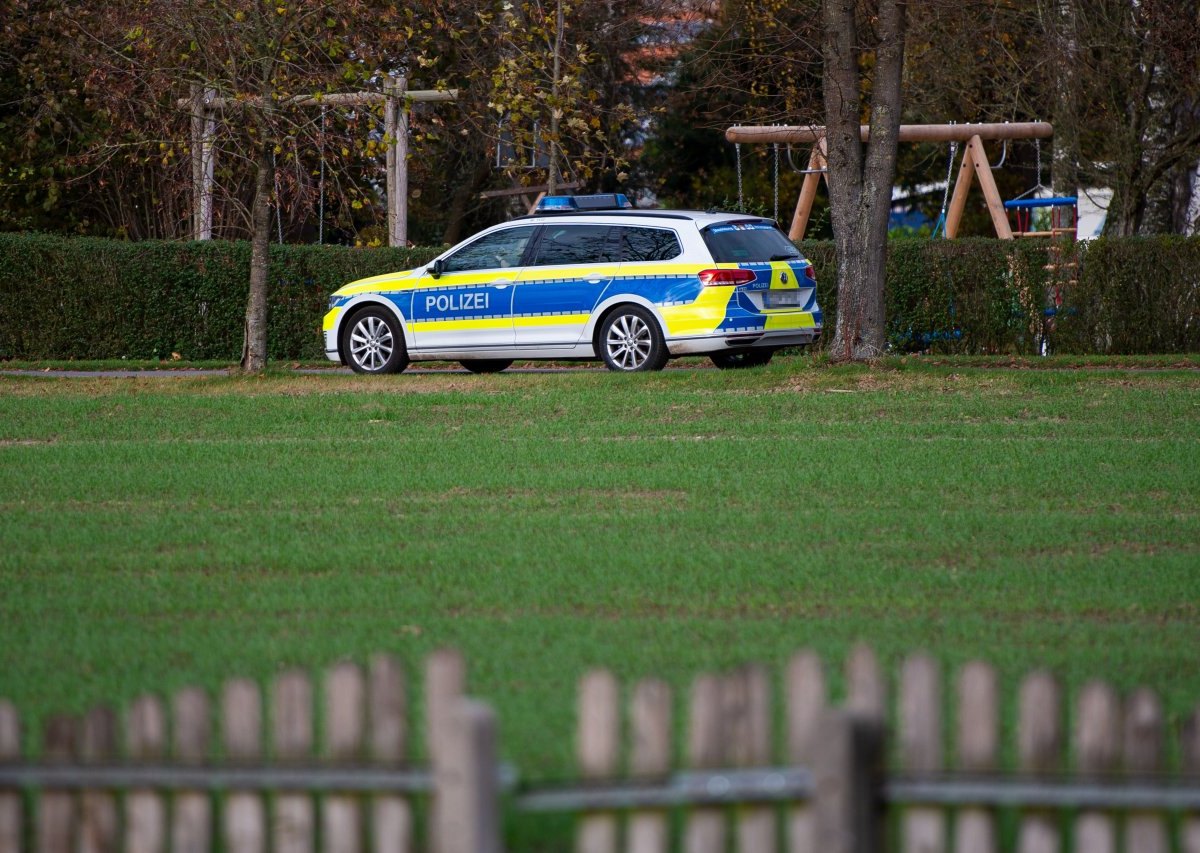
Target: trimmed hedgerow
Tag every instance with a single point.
(75, 297)
(63, 297)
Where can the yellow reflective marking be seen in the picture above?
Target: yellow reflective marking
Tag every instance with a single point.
(650, 268)
(550, 320)
(797, 320)
(700, 317)
(778, 270)
(330, 319)
(461, 325)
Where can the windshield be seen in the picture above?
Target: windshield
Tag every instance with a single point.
(748, 241)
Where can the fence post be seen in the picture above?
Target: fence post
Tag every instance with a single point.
(98, 822)
(145, 811)
(748, 718)
(445, 682)
(705, 828)
(468, 785)
(598, 747)
(56, 815)
(923, 827)
(848, 806)
(241, 729)
(1097, 748)
(391, 816)
(806, 701)
(1145, 831)
(650, 756)
(192, 813)
(866, 690)
(345, 694)
(11, 830)
(1039, 749)
(1190, 828)
(978, 730)
(292, 725)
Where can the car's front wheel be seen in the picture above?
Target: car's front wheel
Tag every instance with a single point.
(486, 365)
(631, 341)
(735, 359)
(374, 342)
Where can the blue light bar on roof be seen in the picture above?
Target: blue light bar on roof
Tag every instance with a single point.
(570, 203)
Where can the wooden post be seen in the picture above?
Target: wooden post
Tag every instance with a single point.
(192, 811)
(445, 683)
(345, 701)
(391, 815)
(747, 710)
(145, 810)
(245, 827)
(11, 829)
(292, 732)
(597, 748)
(1039, 751)
(395, 123)
(469, 820)
(650, 756)
(56, 814)
(705, 829)
(847, 806)
(958, 201)
(1097, 751)
(983, 170)
(808, 190)
(806, 702)
(1190, 747)
(978, 738)
(98, 821)
(923, 828)
(1145, 831)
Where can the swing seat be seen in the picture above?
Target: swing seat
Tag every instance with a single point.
(1062, 215)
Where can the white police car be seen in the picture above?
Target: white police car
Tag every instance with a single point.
(586, 277)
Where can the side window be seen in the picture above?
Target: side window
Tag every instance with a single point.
(499, 249)
(649, 244)
(575, 244)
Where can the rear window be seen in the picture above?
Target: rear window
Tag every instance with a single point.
(648, 244)
(749, 241)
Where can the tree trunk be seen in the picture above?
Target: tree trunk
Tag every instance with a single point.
(254, 350)
(860, 178)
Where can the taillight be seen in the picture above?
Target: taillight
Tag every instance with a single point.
(810, 273)
(718, 278)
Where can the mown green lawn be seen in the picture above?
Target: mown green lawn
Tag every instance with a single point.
(161, 531)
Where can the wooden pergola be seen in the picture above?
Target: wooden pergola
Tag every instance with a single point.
(974, 162)
(395, 97)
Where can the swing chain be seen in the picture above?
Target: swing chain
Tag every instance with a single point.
(1038, 147)
(738, 150)
(776, 147)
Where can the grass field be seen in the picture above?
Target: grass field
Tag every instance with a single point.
(160, 531)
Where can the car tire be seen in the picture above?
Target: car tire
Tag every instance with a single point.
(631, 341)
(373, 342)
(738, 359)
(486, 365)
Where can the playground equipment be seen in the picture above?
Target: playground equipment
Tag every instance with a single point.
(975, 164)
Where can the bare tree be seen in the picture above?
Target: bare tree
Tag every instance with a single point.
(861, 174)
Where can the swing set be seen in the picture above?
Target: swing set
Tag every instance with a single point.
(975, 164)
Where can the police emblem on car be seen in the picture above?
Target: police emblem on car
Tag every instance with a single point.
(586, 277)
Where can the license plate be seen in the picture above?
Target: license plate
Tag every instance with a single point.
(781, 299)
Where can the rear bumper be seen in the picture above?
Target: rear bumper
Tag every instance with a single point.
(774, 339)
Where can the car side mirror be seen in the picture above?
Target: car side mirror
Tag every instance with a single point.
(437, 268)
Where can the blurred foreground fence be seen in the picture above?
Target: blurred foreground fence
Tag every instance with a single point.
(1094, 775)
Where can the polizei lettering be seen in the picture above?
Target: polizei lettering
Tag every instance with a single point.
(456, 302)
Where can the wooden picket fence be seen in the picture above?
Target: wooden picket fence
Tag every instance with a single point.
(1091, 776)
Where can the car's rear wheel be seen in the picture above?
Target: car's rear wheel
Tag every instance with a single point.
(631, 341)
(374, 342)
(736, 359)
(486, 365)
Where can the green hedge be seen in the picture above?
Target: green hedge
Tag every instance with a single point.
(63, 298)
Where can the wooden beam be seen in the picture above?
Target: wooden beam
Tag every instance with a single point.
(908, 132)
(808, 190)
(333, 99)
(958, 203)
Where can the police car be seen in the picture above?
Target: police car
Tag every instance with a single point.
(586, 277)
